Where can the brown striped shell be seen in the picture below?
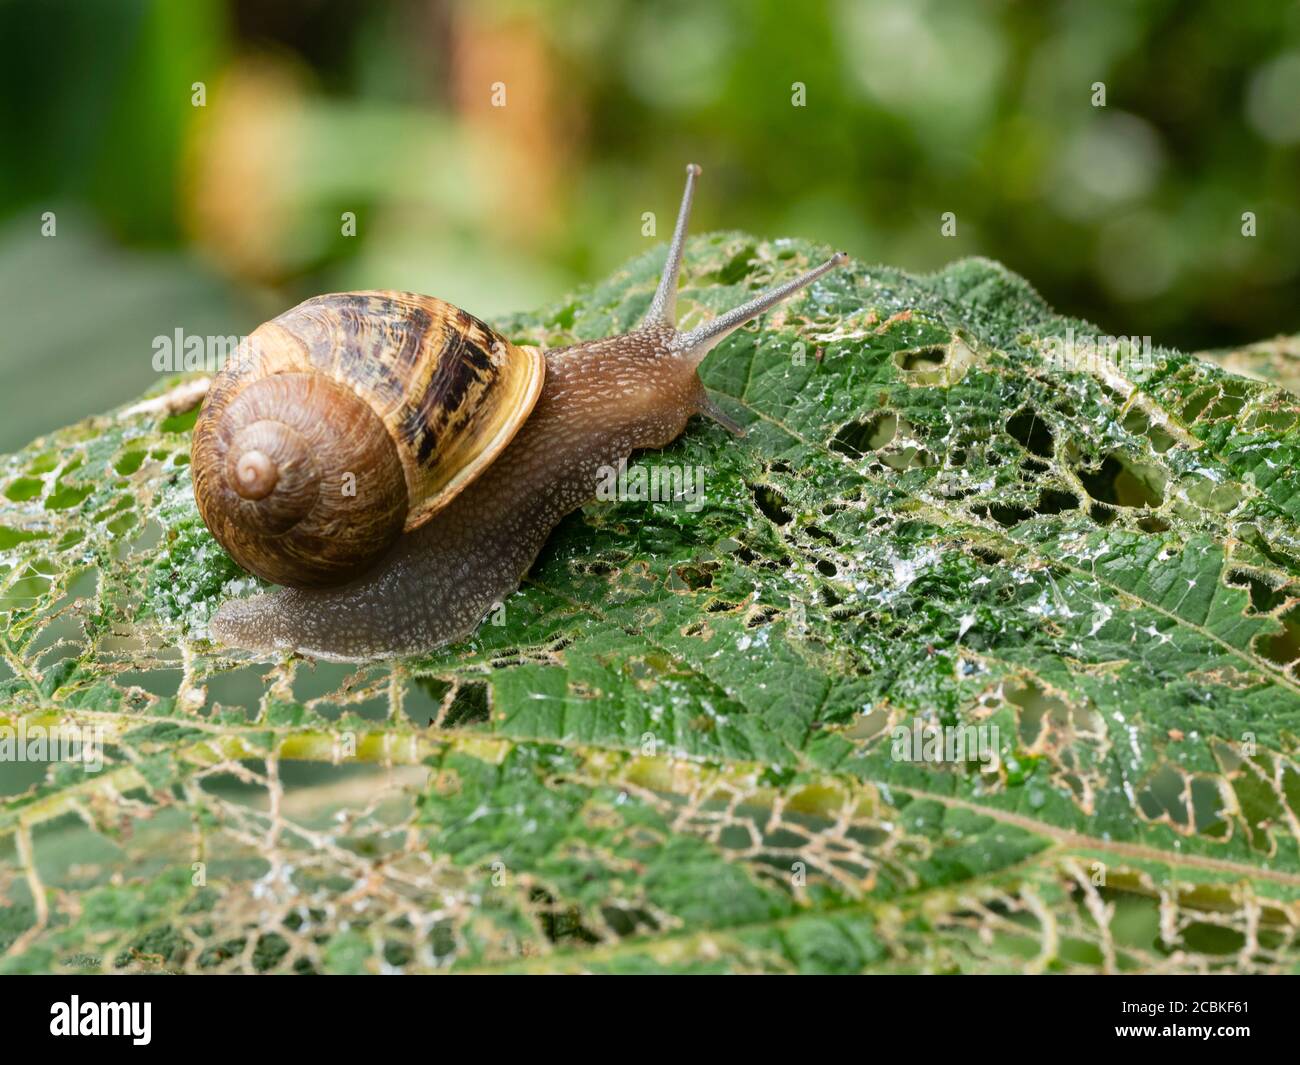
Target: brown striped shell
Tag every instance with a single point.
(347, 420)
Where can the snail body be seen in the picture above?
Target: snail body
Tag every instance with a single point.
(434, 580)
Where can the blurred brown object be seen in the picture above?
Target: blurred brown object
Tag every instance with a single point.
(529, 141)
(242, 166)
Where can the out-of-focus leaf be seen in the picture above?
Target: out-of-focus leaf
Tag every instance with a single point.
(1276, 360)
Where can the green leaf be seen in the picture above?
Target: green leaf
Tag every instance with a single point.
(703, 737)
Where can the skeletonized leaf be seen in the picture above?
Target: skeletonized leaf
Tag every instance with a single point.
(715, 732)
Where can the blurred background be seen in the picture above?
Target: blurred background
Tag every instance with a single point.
(195, 159)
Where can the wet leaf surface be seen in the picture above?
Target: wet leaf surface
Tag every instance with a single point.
(697, 739)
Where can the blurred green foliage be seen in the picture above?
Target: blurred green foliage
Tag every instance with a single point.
(212, 218)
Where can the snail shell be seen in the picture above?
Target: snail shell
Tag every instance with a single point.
(348, 420)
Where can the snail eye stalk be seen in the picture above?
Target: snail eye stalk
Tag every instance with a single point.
(663, 308)
(700, 340)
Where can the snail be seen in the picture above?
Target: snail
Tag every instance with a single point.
(398, 465)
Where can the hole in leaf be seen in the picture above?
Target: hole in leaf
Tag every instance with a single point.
(1282, 648)
(1278, 421)
(1009, 515)
(1250, 534)
(930, 358)
(559, 922)
(129, 462)
(65, 497)
(1221, 498)
(1138, 423)
(423, 701)
(772, 504)
(1053, 501)
(180, 423)
(1206, 938)
(941, 365)
(1198, 401)
(1232, 398)
(1031, 432)
(909, 458)
(626, 922)
(1124, 483)
(469, 706)
(1208, 811)
(737, 268)
(25, 488)
(856, 439)
(1037, 711)
(695, 577)
(1164, 796)
(12, 537)
(821, 534)
(1264, 598)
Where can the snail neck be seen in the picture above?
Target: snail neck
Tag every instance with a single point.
(635, 389)
(600, 402)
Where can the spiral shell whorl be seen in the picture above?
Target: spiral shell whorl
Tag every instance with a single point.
(297, 478)
(270, 466)
(256, 473)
